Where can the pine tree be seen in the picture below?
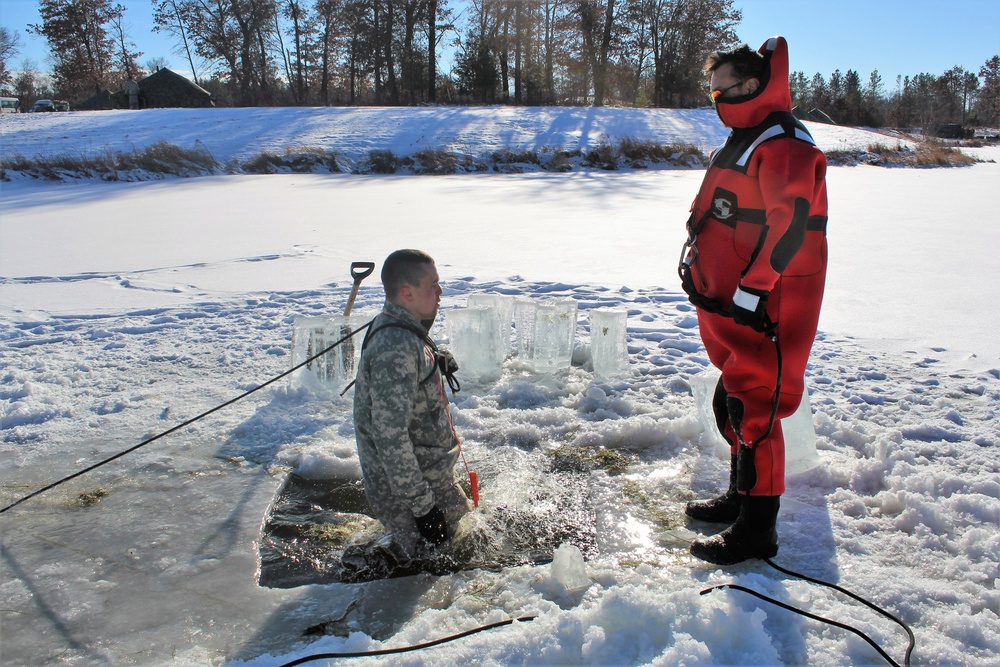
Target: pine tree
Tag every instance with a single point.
(988, 102)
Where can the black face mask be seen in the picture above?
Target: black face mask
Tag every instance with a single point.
(427, 324)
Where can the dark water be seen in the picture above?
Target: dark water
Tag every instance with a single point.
(532, 509)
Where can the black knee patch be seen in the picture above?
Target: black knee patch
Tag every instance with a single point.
(746, 469)
(721, 410)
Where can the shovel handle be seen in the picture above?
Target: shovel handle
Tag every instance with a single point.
(359, 271)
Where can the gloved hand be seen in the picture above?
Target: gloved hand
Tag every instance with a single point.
(433, 527)
(750, 308)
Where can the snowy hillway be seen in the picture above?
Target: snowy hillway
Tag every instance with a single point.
(127, 308)
(241, 134)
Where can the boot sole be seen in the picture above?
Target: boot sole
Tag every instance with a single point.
(709, 553)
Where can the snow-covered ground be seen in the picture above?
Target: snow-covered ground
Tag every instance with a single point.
(240, 134)
(127, 308)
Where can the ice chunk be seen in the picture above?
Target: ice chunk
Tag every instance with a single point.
(525, 311)
(608, 349)
(474, 340)
(703, 390)
(504, 307)
(554, 335)
(568, 568)
(546, 333)
(797, 429)
(800, 439)
(312, 335)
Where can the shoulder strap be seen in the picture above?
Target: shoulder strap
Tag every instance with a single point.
(740, 148)
(421, 334)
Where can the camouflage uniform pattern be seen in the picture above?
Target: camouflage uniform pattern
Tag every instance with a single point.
(406, 445)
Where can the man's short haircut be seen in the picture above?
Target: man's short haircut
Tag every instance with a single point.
(403, 267)
(747, 63)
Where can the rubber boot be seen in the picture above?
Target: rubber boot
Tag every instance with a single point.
(724, 509)
(752, 536)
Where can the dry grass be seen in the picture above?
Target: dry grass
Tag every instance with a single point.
(431, 161)
(923, 154)
(163, 160)
(937, 155)
(160, 159)
(294, 161)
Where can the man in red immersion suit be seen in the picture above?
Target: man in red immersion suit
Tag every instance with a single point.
(754, 265)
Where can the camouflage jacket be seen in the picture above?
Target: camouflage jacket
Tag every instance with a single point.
(402, 426)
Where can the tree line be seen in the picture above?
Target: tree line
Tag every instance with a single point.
(646, 53)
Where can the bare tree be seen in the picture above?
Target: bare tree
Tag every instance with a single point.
(10, 46)
(168, 18)
(126, 53)
(597, 25)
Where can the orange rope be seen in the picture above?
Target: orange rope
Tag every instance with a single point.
(473, 477)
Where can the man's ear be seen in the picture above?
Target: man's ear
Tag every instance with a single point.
(753, 83)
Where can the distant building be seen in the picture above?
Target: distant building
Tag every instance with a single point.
(162, 88)
(951, 131)
(165, 88)
(814, 114)
(97, 102)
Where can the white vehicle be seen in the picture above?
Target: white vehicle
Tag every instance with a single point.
(9, 105)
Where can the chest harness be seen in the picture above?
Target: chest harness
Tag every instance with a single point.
(442, 359)
(736, 155)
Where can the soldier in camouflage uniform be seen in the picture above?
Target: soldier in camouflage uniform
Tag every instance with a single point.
(406, 442)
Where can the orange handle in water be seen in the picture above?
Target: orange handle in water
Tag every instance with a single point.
(474, 482)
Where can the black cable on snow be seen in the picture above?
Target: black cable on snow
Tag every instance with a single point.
(844, 626)
(854, 596)
(405, 649)
(180, 426)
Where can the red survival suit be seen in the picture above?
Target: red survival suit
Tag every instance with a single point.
(758, 226)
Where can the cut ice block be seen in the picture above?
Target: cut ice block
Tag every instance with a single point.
(312, 335)
(545, 332)
(504, 307)
(525, 311)
(608, 349)
(800, 439)
(703, 390)
(475, 339)
(554, 335)
(797, 429)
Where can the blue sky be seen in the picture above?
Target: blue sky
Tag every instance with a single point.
(894, 36)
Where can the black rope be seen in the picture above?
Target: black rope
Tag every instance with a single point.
(844, 626)
(405, 649)
(180, 426)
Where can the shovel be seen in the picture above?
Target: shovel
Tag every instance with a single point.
(359, 271)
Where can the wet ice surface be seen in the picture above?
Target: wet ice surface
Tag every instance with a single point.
(170, 552)
(177, 524)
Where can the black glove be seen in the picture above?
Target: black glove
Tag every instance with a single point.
(750, 308)
(433, 527)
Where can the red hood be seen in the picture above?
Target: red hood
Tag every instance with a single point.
(772, 95)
